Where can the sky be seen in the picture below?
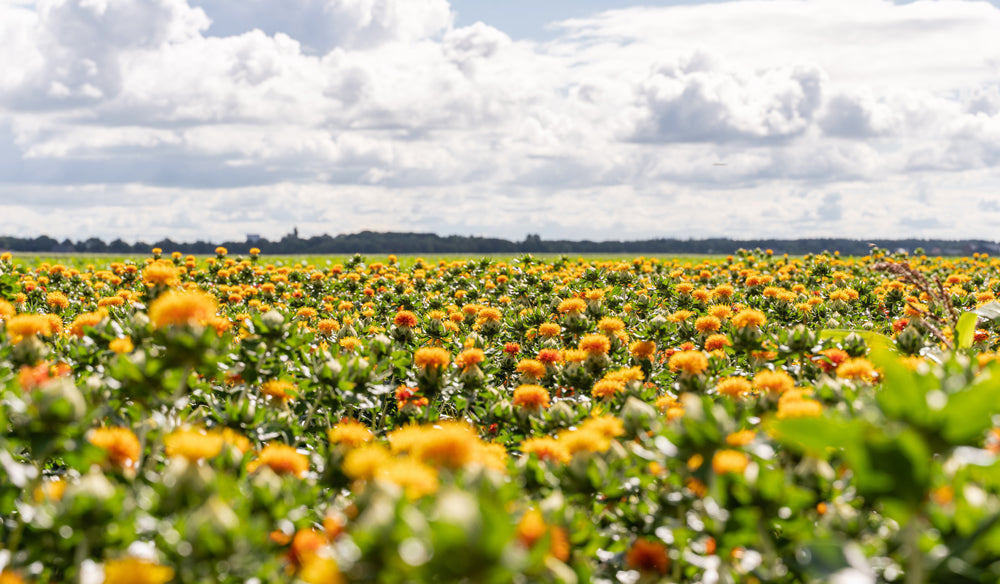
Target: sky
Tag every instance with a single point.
(571, 119)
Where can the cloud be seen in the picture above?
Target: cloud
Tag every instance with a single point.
(218, 116)
(697, 100)
(323, 25)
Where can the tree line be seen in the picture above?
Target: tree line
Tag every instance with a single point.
(370, 242)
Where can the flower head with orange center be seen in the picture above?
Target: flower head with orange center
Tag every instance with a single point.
(86, 319)
(740, 438)
(688, 362)
(121, 445)
(185, 308)
(470, 358)
(278, 390)
(136, 571)
(6, 310)
(642, 350)
(716, 342)
(729, 462)
(830, 359)
(572, 306)
(161, 274)
(550, 356)
(773, 382)
(595, 344)
(707, 324)
(531, 368)
(405, 318)
(799, 408)
(22, 326)
(610, 325)
(350, 433)
(531, 397)
(733, 386)
(858, 369)
(193, 444)
(282, 459)
(606, 388)
(549, 329)
(546, 448)
(431, 357)
(749, 318)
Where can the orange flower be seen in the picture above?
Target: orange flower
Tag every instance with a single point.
(716, 342)
(531, 397)
(572, 306)
(431, 357)
(690, 362)
(405, 318)
(531, 368)
(856, 369)
(350, 433)
(733, 386)
(278, 390)
(121, 444)
(175, 308)
(643, 350)
(549, 329)
(606, 388)
(773, 382)
(282, 459)
(546, 448)
(136, 571)
(193, 444)
(595, 344)
(749, 318)
(729, 462)
(707, 324)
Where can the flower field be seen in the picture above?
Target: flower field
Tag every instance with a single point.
(753, 418)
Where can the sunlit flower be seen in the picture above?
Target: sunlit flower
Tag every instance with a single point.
(689, 362)
(136, 571)
(749, 318)
(532, 368)
(175, 308)
(572, 306)
(595, 344)
(642, 350)
(434, 357)
(25, 325)
(120, 444)
(729, 462)
(546, 448)
(350, 433)
(282, 459)
(549, 329)
(279, 390)
(858, 369)
(733, 386)
(707, 324)
(193, 444)
(773, 382)
(606, 388)
(649, 556)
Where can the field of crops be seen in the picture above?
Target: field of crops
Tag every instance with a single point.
(751, 418)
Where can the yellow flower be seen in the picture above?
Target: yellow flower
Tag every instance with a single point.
(350, 433)
(282, 459)
(121, 445)
(643, 350)
(716, 342)
(733, 386)
(606, 388)
(25, 325)
(57, 300)
(749, 318)
(610, 325)
(161, 274)
(799, 408)
(572, 306)
(363, 463)
(740, 438)
(416, 478)
(122, 345)
(431, 357)
(546, 329)
(531, 397)
(193, 444)
(86, 319)
(595, 344)
(860, 369)
(773, 382)
(690, 362)
(6, 310)
(175, 308)
(546, 448)
(278, 390)
(729, 462)
(136, 571)
(707, 324)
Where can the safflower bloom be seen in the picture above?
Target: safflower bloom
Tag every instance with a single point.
(86, 319)
(572, 306)
(729, 462)
(193, 444)
(431, 357)
(773, 382)
(470, 358)
(531, 368)
(799, 408)
(610, 325)
(856, 369)
(121, 445)
(161, 274)
(136, 571)
(278, 390)
(175, 308)
(57, 300)
(6, 310)
(595, 344)
(607, 426)
(282, 459)
(405, 318)
(690, 362)
(733, 386)
(121, 345)
(642, 350)
(25, 325)
(550, 356)
(549, 329)
(606, 388)
(749, 318)
(546, 448)
(350, 433)
(414, 477)
(707, 324)
(716, 342)
(740, 438)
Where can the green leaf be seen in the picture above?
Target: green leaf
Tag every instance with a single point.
(965, 329)
(969, 412)
(989, 311)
